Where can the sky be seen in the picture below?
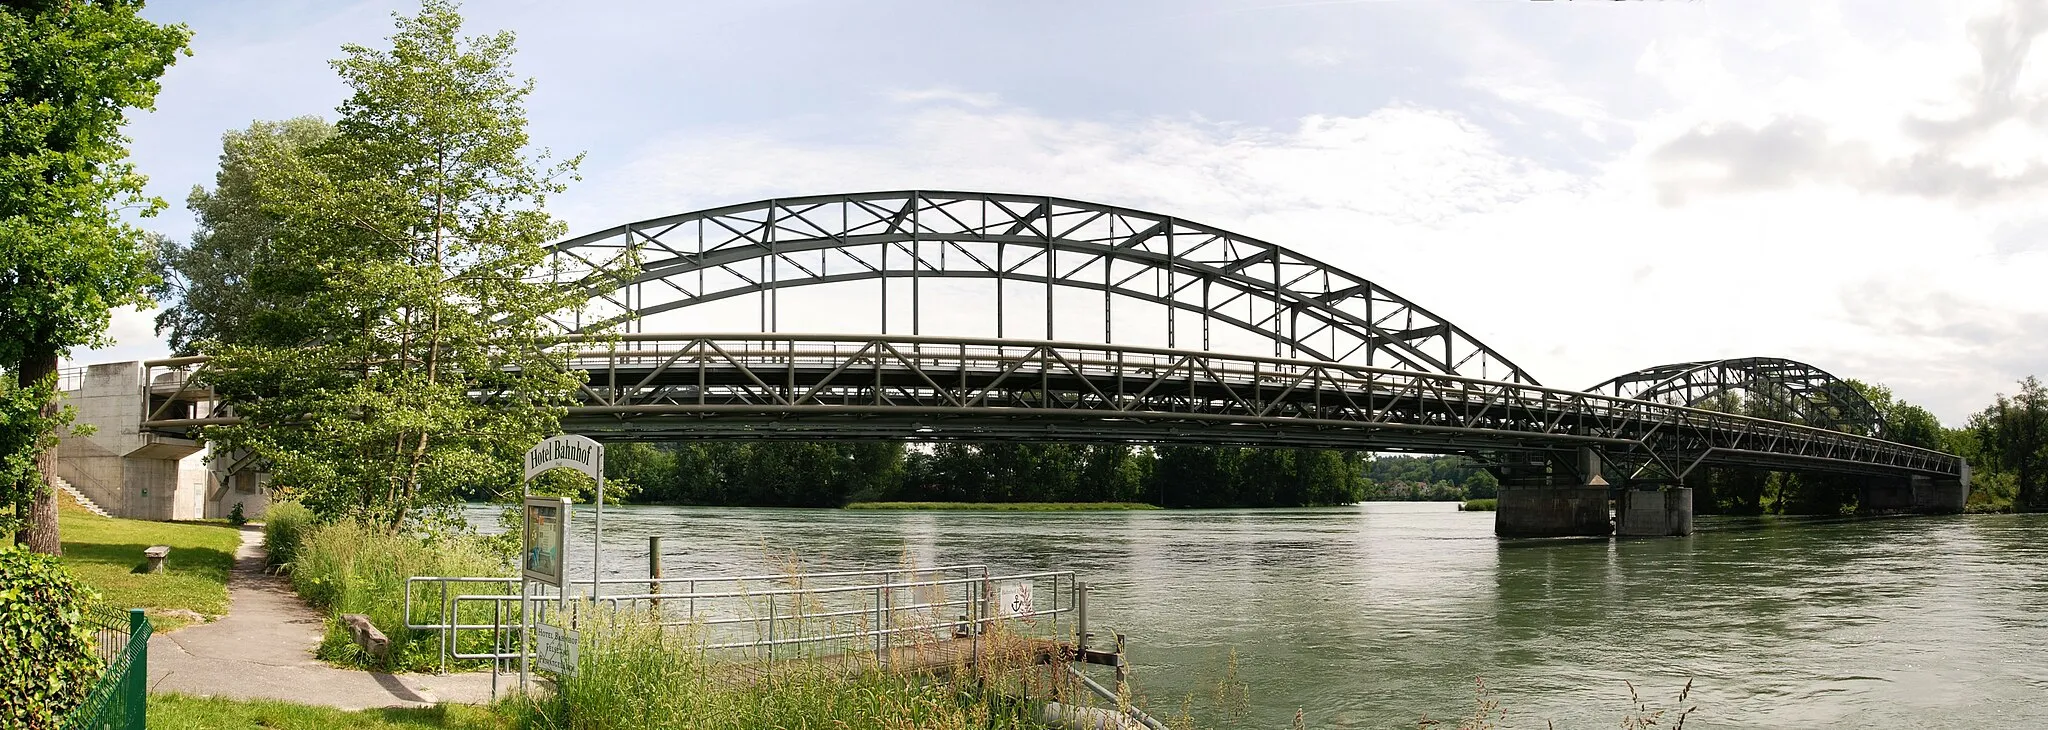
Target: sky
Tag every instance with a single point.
(1587, 187)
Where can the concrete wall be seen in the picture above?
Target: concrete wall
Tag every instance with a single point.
(128, 472)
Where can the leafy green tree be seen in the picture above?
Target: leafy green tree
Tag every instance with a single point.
(231, 283)
(426, 363)
(2012, 437)
(1903, 422)
(70, 71)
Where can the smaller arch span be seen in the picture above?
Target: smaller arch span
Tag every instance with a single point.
(1787, 389)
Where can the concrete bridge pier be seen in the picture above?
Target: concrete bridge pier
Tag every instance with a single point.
(1553, 500)
(1916, 494)
(1663, 512)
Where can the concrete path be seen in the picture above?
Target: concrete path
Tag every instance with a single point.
(263, 649)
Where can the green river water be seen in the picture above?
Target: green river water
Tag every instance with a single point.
(1375, 615)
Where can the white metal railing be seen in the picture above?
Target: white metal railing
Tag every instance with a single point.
(767, 617)
(70, 379)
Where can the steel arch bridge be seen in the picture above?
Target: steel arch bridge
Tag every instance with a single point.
(1339, 360)
(1783, 388)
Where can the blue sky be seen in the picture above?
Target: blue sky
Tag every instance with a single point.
(1589, 187)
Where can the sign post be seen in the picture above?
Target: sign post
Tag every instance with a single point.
(544, 547)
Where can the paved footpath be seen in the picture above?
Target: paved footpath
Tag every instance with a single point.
(263, 649)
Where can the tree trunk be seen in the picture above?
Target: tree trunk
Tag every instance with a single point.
(41, 534)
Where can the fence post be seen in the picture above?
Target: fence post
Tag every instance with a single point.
(136, 694)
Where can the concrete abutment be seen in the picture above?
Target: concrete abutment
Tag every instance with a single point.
(1653, 512)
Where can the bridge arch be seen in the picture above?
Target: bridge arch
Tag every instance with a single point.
(1194, 272)
(1788, 388)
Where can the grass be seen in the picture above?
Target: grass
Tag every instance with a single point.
(633, 674)
(1479, 505)
(106, 553)
(347, 567)
(185, 712)
(1004, 506)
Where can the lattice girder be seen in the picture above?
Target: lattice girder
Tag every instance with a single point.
(1306, 308)
(1787, 389)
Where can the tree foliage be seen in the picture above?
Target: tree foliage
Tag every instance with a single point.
(2011, 437)
(233, 283)
(69, 74)
(418, 360)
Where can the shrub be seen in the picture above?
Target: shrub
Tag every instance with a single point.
(47, 655)
(350, 567)
(284, 528)
(1479, 505)
(236, 517)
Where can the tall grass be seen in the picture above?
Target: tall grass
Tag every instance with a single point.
(350, 567)
(632, 673)
(284, 526)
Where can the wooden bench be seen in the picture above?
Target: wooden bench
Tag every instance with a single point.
(367, 636)
(156, 555)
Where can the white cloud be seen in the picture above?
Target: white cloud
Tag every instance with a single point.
(1846, 183)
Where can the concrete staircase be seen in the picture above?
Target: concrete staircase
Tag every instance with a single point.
(78, 496)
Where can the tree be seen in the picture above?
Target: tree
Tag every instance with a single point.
(69, 74)
(423, 359)
(1903, 422)
(231, 284)
(2012, 436)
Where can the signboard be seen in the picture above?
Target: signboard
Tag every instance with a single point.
(1014, 600)
(568, 450)
(555, 649)
(547, 527)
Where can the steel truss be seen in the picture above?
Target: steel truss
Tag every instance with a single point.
(1787, 389)
(1306, 308)
(802, 387)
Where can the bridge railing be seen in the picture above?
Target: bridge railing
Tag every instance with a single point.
(644, 374)
(784, 364)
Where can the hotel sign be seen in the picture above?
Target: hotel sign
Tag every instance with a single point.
(569, 450)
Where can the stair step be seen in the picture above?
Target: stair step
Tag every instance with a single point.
(83, 501)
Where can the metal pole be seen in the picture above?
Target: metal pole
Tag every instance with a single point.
(597, 535)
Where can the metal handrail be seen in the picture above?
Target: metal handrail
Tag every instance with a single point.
(717, 609)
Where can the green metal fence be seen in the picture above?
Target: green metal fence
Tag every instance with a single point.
(120, 699)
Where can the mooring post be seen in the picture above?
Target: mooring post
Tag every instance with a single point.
(654, 570)
(1123, 672)
(1081, 620)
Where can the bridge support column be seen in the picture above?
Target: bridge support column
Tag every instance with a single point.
(1552, 512)
(1534, 506)
(1886, 495)
(1653, 512)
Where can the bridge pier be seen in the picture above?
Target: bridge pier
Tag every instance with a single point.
(1916, 494)
(1552, 512)
(1653, 512)
(1532, 504)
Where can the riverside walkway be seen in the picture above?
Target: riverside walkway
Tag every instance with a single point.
(263, 649)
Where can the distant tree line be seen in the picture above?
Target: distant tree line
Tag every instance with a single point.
(830, 474)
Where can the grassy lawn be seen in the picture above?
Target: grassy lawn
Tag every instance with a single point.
(183, 712)
(1005, 506)
(107, 555)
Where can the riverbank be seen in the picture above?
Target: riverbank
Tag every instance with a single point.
(1004, 506)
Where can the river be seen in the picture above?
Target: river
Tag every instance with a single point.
(1373, 615)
